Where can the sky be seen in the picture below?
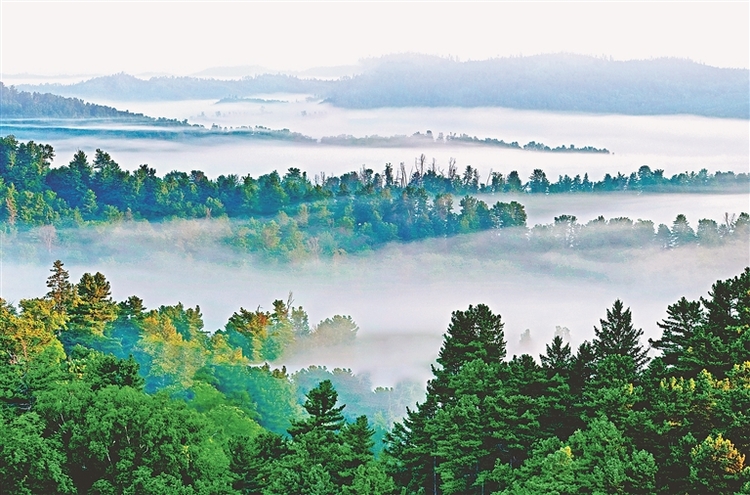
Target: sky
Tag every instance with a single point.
(180, 38)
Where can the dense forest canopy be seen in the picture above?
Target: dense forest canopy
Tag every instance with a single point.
(558, 82)
(294, 217)
(99, 396)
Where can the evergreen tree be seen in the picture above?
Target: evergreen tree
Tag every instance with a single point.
(617, 336)
(61, 291)
(94, 307)
(476, 333)
(558, 358)
(678, 329)
(321, 406)
(356, 440)
(682, 232)
(711, 334)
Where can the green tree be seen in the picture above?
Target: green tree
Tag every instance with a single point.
(717, 466)
(94, 307)
(61, 291)
(322, 410)
(30, 462)
(558, 358)
(617, 336)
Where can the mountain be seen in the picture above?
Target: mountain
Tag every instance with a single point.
(550, 82)
(557, 82)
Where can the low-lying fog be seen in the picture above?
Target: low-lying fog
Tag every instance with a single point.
(401, 296)
(673, 143)
(659, 208)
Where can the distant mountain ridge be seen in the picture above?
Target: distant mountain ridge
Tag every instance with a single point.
(551, 82)
(559, 82)
(125, 87)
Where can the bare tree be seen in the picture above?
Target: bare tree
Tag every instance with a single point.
(48, 235)
(452, 169)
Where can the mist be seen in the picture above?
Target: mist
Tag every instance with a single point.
(401, 296)
(673, 143)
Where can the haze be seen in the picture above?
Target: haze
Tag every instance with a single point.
(401, 296)
(186, 37)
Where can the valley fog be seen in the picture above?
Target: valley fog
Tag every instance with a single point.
(673, 143)
(400, 296)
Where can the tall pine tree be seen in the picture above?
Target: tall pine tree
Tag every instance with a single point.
(618, 336)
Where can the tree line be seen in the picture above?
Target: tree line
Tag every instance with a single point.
(294, 217)
(104, 397)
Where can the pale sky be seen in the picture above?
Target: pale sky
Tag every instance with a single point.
(180, 38)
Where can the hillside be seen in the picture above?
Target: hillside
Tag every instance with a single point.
(15, 104)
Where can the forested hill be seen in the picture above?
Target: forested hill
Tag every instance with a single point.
(292, 217)
(558, 82)
(551, 82)
(22, 104)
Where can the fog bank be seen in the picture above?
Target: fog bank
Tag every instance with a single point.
(400, 296)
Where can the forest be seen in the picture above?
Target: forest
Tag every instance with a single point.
(105, 397)
(293, 217)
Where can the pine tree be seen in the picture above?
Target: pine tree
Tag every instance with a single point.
(713, 333)
(558, 358)
(356, 440)
(94, 307)
(321, 406)
(682, 232)
(450, 442)
(617, 336)
(61, 291)
(476, 333)
(678, 329)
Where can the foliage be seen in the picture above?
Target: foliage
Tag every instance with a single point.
(98, 396)
(292, 217)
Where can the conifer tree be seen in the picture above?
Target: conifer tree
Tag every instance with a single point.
(617, 336)
(558, 358)
(321, 406)
(94, 307)
(61, 291)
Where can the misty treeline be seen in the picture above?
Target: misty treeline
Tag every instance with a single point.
(293, 218)
(557, 82)
(190, 413)
(125, 87)
(24, 111)
(427, 139)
